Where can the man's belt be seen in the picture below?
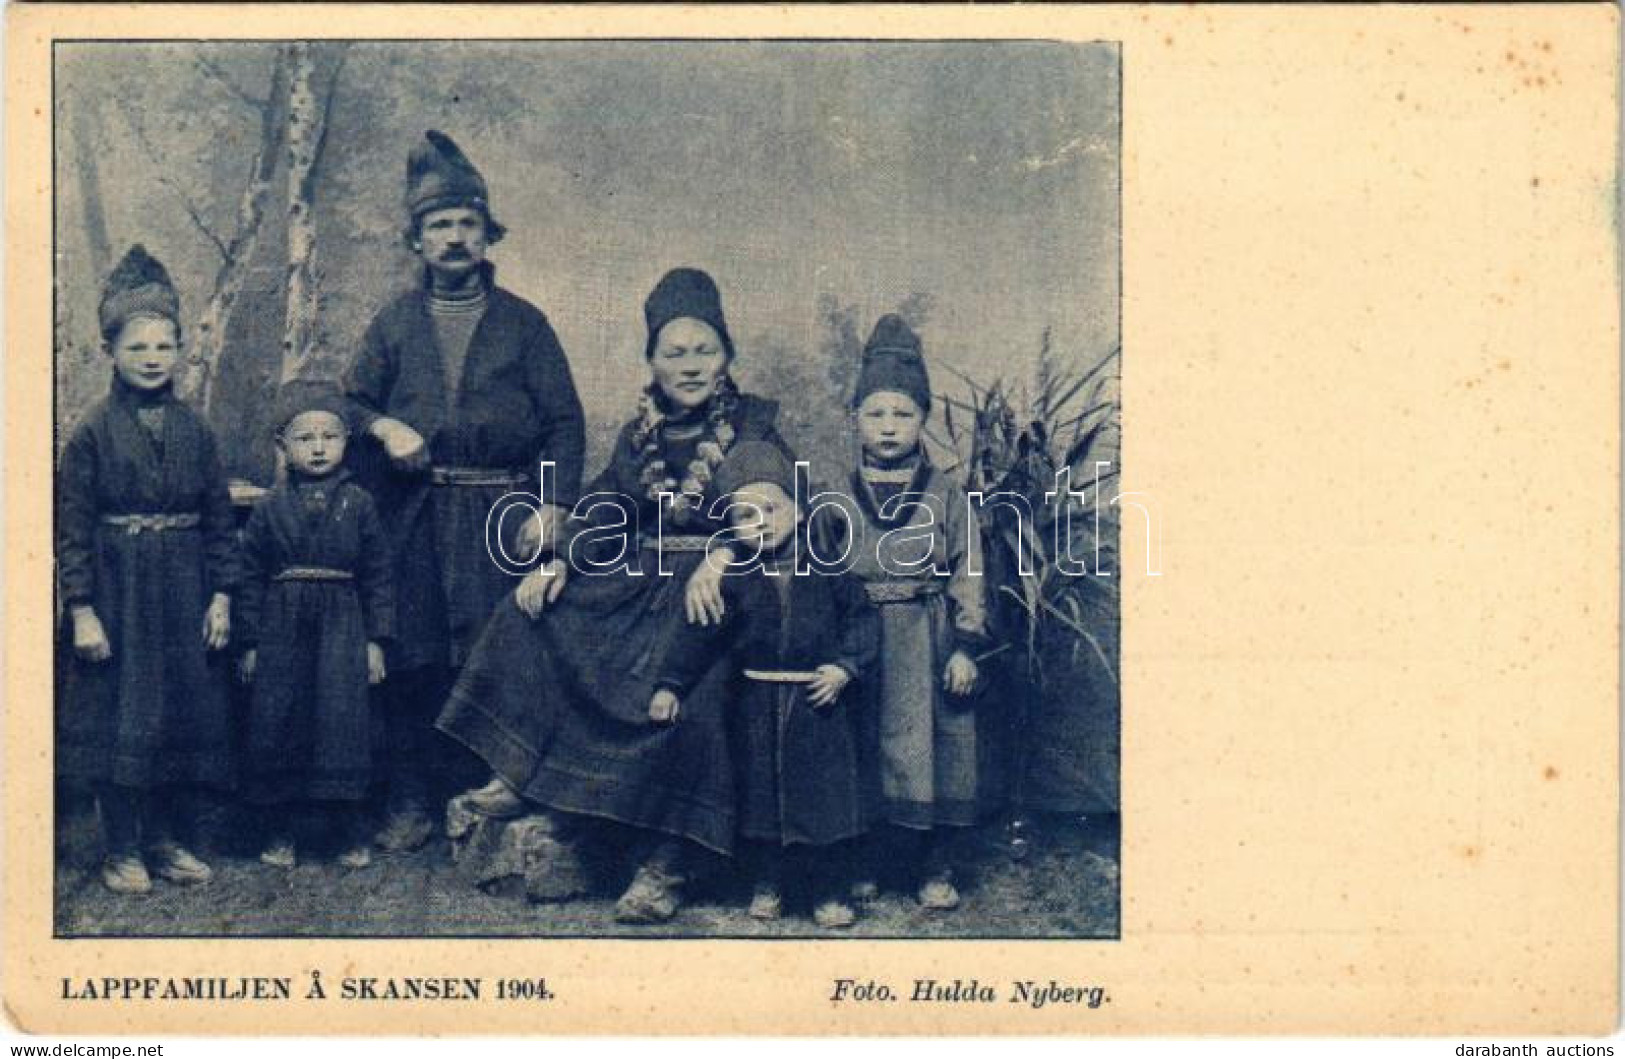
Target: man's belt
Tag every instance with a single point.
(133, 524)
(313, 573)
(781, 676)
(901, 591)
(476, 477)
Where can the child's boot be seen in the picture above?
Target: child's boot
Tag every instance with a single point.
(831, 875)
(357, 850)
(356, 857)
(766, 900)
(179, 865)
(767, 880)
(172, 821)
(123, 873)
(279, 853)
(834, 913)
(937, 890)
(121, 811)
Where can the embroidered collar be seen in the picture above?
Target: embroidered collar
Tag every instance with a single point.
(684, 488)
(887, 476)
(901, 512)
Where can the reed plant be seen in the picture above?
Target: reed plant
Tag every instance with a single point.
(1058, 627)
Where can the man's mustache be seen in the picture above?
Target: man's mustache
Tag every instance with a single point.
(455, 253)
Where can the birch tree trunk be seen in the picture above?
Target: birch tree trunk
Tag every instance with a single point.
(86, 133)
(203, 352)
(307, 134)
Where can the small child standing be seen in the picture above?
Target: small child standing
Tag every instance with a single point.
(918, 554)
(147, 564)
(317, 607)
(798, 642)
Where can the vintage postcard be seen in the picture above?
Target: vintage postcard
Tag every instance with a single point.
(811, 520)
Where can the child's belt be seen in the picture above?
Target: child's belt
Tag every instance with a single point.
(901, 591)
(313, 573)
(781, 676)
(473, 477)
(133, 524)
(683, 542)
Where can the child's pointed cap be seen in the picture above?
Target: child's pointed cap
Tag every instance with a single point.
(893, 362)
(751, 462)
(439, 176)
(138, 286)
(298, 396)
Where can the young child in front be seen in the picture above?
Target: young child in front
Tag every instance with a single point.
(918, 553)
(799, 642)
(146, 563)
(317, 607)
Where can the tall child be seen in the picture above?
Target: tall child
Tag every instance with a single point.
(147, 563)
(317, 607)
(796, 642)
(919, 555)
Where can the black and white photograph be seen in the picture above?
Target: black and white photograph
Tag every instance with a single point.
(822, 521)
(658, 488)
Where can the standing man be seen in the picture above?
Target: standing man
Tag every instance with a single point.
(460, 391)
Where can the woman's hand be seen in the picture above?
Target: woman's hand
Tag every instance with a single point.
(702, 598)
(403, 445)
(540, 587)
(217, 622)
(959, 676)
(827, 686)
(89, 638)
(538, 532)
(247, 665)
(664, 706)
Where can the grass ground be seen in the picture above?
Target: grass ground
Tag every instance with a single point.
(1066, 887)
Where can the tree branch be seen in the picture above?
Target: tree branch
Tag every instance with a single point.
(214, 71)
(179, 192)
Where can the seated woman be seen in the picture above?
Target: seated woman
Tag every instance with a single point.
(555, 694)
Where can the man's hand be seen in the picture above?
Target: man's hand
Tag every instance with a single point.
(375, 664)
(827, 686)
(539, 531)
(217, 622)
(663, 707)
(540, 587)
(960, 674)
(702, 596)
(89, 638)
(247, 665)
(403, 445)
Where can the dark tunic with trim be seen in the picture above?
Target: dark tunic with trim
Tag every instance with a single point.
(155, 713)
(917, 551)
(310, 725)
(517, 406)
(798, 766)
(559, 707)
